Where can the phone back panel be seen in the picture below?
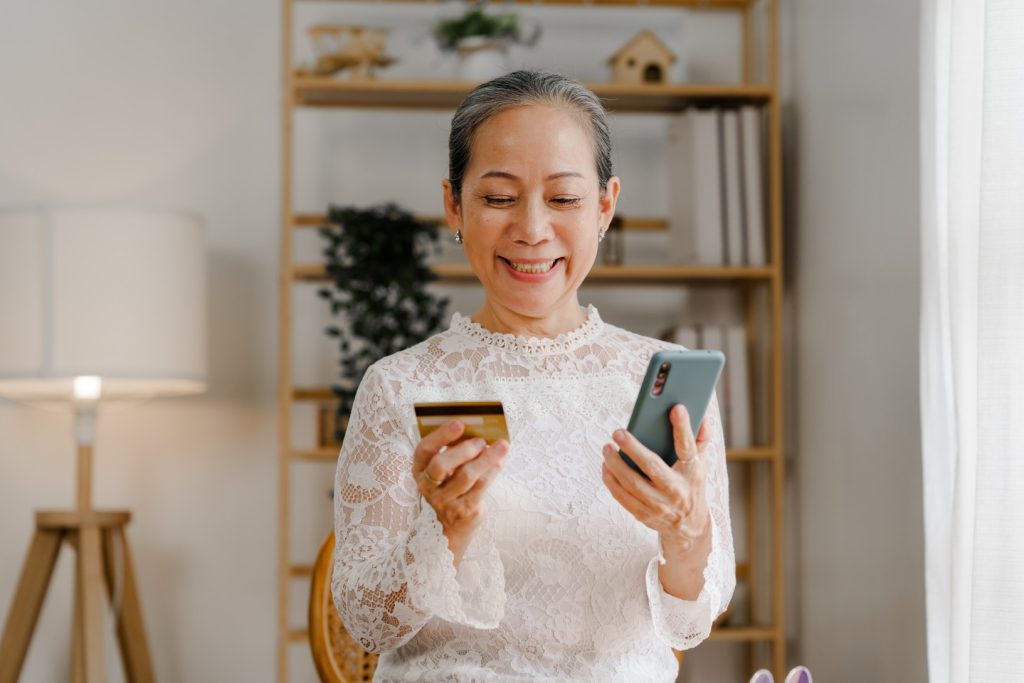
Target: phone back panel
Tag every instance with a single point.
(691, 380)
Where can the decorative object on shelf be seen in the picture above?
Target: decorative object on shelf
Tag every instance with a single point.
(95, 305)
(338, 47)
(715, 172)
(377, 260)
(613, 246)
(644, 59)
(482, 41)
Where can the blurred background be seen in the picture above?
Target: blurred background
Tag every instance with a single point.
(179, 105)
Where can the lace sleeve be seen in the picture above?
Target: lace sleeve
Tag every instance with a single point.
(393, 570)
(683, 624)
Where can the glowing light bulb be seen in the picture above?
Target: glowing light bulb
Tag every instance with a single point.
(88, 387)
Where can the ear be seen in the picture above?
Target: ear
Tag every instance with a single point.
(452, 210)
(606, 203)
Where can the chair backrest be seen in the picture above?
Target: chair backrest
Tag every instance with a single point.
(338, 658)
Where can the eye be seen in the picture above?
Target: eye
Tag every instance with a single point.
(568, 202)
(493, 200)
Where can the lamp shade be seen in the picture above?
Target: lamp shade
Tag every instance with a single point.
(116, 294)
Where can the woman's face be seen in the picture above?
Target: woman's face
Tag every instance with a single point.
(531, 210)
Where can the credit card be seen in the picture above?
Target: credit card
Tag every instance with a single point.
(483, 419)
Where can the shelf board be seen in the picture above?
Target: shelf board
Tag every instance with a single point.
(743, 633)
(299, 571)
(601, 274)
(330, 454)
(312, 220)
(318, 91)
(695, 4)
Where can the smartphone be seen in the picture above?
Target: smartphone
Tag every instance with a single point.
(672, 377)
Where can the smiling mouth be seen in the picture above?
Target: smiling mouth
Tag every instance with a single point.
(532, 268)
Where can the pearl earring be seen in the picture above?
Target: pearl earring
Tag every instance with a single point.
(457, 237)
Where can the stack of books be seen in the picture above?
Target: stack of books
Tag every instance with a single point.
(734, 386)
(716, 187)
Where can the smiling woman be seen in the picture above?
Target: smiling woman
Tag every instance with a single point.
(530, 211)
(544, 557)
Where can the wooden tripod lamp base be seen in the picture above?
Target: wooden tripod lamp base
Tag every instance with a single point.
(103, 570)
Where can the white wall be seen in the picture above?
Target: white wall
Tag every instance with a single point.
(177, 104)
(855, 276)
(168, 104)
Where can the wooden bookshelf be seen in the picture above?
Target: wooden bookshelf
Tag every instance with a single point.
(433, 95)
(600, 275)
(302, 221)
(330, 92)
(695, 4)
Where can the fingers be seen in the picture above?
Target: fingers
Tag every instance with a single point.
(433, 443)
(682, 433)
(703, 435)
(476, 493)
(443, 465)
(647, 460)
(633, 505)
(628, 479)
(463, 480)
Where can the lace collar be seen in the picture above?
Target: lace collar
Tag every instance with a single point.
(567, 341)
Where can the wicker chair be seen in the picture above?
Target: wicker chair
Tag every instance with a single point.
(338, 658)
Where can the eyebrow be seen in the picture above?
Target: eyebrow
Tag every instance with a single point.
(510, 176)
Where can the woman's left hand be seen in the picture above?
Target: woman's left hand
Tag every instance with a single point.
(673, 501)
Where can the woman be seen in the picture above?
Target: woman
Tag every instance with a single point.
(548, 558)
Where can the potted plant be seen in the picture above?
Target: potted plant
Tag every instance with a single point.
(481, 40)
(376, 260)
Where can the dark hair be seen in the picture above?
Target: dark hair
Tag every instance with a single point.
(517, 89)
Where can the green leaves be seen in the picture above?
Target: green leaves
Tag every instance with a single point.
(476, 22)
(376, 259)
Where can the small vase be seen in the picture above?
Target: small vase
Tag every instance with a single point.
(482, 58)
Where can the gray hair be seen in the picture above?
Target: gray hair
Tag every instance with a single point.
(517, 89)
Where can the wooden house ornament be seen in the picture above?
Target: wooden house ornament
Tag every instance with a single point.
(644, 59)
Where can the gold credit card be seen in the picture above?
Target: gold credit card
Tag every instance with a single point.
(483, 419)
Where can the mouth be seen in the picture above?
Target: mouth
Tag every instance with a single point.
(532, 267)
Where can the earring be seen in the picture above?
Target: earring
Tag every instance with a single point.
(600, 235)
(457, 237)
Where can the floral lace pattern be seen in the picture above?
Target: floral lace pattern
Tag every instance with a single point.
(560, 583)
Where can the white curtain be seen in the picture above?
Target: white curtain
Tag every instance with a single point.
(972, 337)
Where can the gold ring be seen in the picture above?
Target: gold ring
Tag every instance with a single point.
(689, 461)
(435, 482)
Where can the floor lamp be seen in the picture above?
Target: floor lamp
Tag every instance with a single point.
(95, 305)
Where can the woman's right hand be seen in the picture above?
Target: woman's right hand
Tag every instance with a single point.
(465, 471)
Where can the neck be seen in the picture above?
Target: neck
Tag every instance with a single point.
(496, 318)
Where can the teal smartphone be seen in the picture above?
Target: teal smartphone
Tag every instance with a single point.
(672, 377)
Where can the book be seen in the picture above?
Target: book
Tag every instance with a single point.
(679, 163)
(732, 217)
(740, 408)
(686, 336)
(695, 200)
(753, 185)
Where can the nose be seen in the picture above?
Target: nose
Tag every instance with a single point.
(532, 223)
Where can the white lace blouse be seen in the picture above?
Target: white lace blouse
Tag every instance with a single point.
(560, 583)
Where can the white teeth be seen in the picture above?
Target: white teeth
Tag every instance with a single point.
(532, 267)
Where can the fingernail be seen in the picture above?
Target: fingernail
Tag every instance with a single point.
(619, 434)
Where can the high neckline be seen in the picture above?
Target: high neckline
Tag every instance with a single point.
(567, 341)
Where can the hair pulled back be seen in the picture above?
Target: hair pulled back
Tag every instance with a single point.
(522, 88)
